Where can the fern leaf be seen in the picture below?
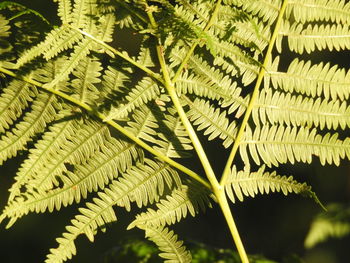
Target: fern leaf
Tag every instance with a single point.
(4, 27)
(312, 79)
(204, 87)
(171, 249)
(64, 10)
(315, 37)
(61, 39)
(250, 33)
(41, 154)
(43, 111)
(278, 144)
(107, 23)
(56, 41)
(92, 176)
(146, 90)
(238, 58)
(5, 46)
(280, 108)
(249, 184)
(174, 140)
(85, 141)
(143, 124)
(213, 121)
(186, 200)
(266, 10)
(145, 57)
(14, 99)
(315, 10)
(96, 215)
(79, 53)
(83, 11)
(137, 185)
(215, 84)
(114, 80)
(87, 75)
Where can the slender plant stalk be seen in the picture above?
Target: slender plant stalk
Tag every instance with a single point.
(115, 125)
(169, 86)
(254, 97)
(218, 190)
(124, 56)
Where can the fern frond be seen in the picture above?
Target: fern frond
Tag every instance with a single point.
(145, 91)
(318, 10)
(279, 144)
(58, 40)
(205, 87)
(86, 75)
(88, 139)
(96, 215)
(246, 183)
(91, 176)
(79, 53)
(312, 79)
(114, 80)
(172, 250)
(145, 57)
(186, 200)
(315, 37)
(143, 124)
(43, 111)
(284, 108)
(70, 143)
(4, 34)
(218, 85)
(234, 60)
(4, 27)
(83, 13)
(174, 140)
(13, 100)
(39, 156)
(267, 10)
(64, 10)
(142, 184)
(107, 26)
(212, 120)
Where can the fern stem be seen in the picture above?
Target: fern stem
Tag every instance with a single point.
(197, 42)
(124, 56)
(225, 208)
(217, 189)
(169, 86)
(115, 125)
(254, 97)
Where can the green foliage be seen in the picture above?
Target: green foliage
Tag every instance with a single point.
(99, 126)
(335, 223)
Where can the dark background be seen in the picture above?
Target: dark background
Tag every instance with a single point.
(272, 225)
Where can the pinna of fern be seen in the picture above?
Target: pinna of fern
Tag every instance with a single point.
(110, 129)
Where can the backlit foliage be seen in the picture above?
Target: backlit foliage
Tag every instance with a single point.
(109, 130)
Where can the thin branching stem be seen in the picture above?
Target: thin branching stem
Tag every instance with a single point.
(175, 99)
(217, 189)
(254, 97)
(123, 55)
(112, 123)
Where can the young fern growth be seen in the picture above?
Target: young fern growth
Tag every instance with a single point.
(109, 129)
